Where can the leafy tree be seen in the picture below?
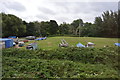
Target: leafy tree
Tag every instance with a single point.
(107, 25)
(64, 28)
(12, 25)
(99, 29)
(118, 21)
(53, 27)
(104, 26)
(76, 24)
(30, 29)
(45, 28)
(85, 29)
(37, 28)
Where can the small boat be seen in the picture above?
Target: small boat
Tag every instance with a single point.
(32, 46)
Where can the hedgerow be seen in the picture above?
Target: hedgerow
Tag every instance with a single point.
(62, 62)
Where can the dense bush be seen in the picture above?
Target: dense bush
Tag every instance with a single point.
(62, 62)
(84, 55)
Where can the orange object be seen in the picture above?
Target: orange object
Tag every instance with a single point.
(25, 41)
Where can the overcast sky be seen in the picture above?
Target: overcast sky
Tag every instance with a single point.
(59, 10)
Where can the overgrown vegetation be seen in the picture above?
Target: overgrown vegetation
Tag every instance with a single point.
(63, 62)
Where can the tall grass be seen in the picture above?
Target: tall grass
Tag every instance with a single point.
(63, 63)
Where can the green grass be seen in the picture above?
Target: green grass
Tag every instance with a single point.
(61, 63)
(32, 68)
(50, 61)
(52, 42)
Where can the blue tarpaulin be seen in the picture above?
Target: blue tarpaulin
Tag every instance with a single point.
(117, 44)
(8, 42)
(12, 37)
(80, 45)
(41, 38)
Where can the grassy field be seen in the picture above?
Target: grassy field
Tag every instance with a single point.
(61, 63)
(52, 42)
(50, 61)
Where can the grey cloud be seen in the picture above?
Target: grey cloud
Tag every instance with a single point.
(81, 7)
(63, 19)
(12, 5)
(2, 8)
(46, 11)
(94, 7)
(42, 17)
(68, 6)
(86, 8)
(63, 7)
(104, 6)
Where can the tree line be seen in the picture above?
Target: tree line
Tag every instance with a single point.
(104, 26)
